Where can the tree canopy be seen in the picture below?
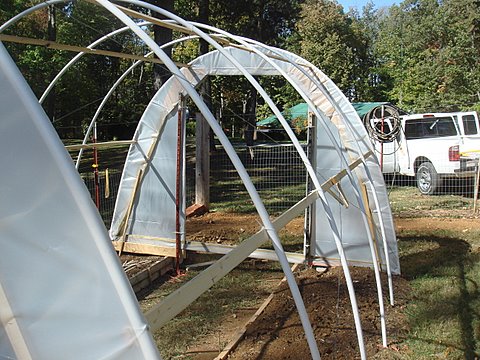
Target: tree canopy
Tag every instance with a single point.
(422, 55)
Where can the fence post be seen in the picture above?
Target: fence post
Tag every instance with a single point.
(202, 164)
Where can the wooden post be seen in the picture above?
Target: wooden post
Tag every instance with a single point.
(202, 166)
(129, 210)
(476, 184)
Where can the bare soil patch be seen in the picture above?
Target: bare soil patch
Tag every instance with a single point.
(466, 223)
(231, 228)
(278, 334)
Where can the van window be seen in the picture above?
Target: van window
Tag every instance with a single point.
(429, 128)
(469, 125)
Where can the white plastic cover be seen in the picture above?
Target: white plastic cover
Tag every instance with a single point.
(341, 117)
(63, 293)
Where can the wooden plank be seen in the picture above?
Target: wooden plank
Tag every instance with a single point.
(147, 276)
(79, 49)
(123, 237)
(263, 254)
(177, 301)
(241, 333)
(136, 248)
(99, 145)
(371, 223)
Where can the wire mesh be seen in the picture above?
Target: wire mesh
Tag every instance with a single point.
(281, 180)
(107, 193)
(276, 171)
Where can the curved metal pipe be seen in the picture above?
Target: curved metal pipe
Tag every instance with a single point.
(113, 88)
(231, 153)
(313, 175)
(79, 55)
(366, 168)
(349, 173)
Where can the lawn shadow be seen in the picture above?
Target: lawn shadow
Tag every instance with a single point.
(448, 257)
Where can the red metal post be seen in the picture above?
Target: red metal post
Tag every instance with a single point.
(95, 168)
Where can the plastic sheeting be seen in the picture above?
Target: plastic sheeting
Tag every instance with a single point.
(63, 293)
(337, 114)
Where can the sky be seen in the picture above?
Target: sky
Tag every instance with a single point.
(361, 3)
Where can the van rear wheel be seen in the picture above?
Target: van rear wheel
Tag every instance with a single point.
(428, 180)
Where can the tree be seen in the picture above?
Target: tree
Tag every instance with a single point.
(431, 54)
(162, 35)
(334, 42)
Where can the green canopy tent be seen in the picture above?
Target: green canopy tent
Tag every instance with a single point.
(300, 111)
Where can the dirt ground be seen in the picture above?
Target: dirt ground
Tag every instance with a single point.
(277, 333)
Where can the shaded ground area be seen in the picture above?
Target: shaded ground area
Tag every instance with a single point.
(278, 334)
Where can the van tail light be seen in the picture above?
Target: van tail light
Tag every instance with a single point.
(454, 153)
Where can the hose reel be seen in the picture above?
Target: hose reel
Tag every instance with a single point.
(380, 130)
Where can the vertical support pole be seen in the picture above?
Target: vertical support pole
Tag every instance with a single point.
(202, 166)
(308, 223)
(95, 168)
(476, 184)
(178, 188)
(381, 143)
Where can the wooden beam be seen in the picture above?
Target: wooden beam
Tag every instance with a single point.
(136, 248)
(202, 161)
(371, 223)
(184, 30)
(145, 277)
(79, 49)
(156, 21)
(263, 254)
(177, 301)
(100, 145)
(123, 238)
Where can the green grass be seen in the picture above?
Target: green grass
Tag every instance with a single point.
(407, 199)
(443, 270)
(229, 196)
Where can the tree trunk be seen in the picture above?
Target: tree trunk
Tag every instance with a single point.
(161, 36)
(204, 134)
(250, 116)
(52, 36)
(205, 90)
